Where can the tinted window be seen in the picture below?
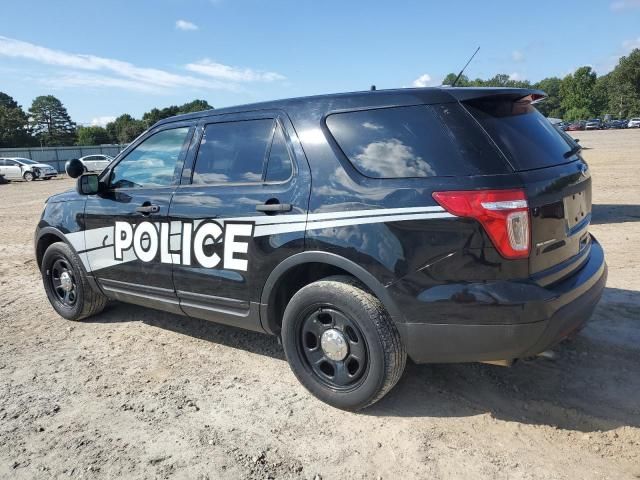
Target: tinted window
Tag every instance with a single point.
(233, 152)
(279, 167)
(523, 134)
(153, 162)
(417, 141)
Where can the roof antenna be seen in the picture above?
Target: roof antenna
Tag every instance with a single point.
(373, 88)
(463, 68)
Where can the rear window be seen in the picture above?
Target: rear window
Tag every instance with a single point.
(415, 141)
(523, 134)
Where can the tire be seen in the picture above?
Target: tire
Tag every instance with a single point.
(28, 177)
(373, 359)
(82, 301)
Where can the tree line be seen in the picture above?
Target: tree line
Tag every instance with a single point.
(47, 123)
(580, 95)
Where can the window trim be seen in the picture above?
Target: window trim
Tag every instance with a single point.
(268, 116)
(107, 174)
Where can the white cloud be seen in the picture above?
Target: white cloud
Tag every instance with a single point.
(517, 56)
(516, 76)
(234, 74)
(186, 26)
(101, 121)
(629, 45)
(109, 72)
(423, 80)
(625, 5)
(392, 159)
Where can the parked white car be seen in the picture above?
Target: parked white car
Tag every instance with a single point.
(16, 168)
(95, 163)
(634, 123)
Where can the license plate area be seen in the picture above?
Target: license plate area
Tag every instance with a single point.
(576, 209)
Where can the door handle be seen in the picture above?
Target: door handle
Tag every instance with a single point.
(147, 209)
(273, 207)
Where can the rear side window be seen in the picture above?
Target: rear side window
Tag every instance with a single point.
(233, 152)
(415, 141)
(524, 135)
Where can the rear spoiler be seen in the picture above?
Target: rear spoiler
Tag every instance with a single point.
(464, 94)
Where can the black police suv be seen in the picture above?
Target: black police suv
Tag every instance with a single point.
(443, 224)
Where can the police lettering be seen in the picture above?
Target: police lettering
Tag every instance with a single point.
(206, 244)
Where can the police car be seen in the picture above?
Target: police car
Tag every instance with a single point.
(442, 224)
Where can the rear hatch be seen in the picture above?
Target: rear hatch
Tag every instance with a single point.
(556, 180)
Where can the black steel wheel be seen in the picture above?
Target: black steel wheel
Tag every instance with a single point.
(334, 347)
(63, 282)
(341, 343)
(67, 285)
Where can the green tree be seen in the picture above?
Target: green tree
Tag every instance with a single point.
(125, 129)
(195, 106)
(92, 136)
(463, 81)
(624, 86)
(577, 93)
(14, 124)
(155, 115)
(550, 106)
(50, 121)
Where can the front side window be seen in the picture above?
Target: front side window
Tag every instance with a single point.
(233, 152)
(153, 162)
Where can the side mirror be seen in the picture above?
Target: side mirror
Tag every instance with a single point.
(88, 184)
(74, 168)
(577, 140)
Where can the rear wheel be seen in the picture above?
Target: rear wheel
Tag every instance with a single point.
(28, 176)
(341, 343)
(67, 286)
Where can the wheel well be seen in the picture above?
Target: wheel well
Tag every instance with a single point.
(43, 243)
(290, 282)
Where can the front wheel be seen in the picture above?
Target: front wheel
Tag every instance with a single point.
(341, 343)
(28, 176)
(67, 286)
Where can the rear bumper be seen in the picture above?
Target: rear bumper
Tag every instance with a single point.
(554, 313)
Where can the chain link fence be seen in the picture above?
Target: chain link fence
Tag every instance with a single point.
(58, 156)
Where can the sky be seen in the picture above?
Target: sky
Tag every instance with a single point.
(105, 58)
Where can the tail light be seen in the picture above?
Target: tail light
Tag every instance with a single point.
(504, 214)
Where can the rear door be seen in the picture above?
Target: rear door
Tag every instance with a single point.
(241, 209)
(556, 179)
(127, 233)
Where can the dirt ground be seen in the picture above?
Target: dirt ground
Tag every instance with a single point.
(136, 393)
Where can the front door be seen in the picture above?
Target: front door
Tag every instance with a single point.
(126, 230)
(241, 208)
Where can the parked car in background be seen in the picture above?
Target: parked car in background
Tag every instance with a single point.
(593, 124)
(615, 124)
(575, 126)
(16, 168)
(634, 123)
(95, 163)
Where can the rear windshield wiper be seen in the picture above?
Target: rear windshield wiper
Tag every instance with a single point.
(573, 151)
